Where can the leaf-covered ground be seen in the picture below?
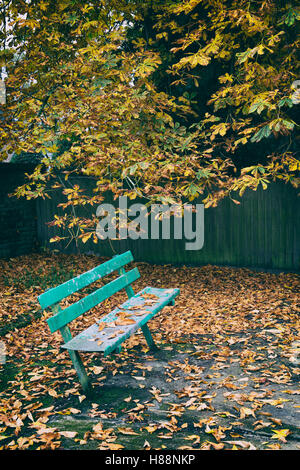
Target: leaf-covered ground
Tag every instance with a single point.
(225, 375)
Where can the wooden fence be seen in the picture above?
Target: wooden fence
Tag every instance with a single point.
(18, 224)
(261, 232)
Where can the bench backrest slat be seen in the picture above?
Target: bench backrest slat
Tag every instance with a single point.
(55, 295)
(68, 314)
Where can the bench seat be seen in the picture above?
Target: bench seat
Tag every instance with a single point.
(113, 335)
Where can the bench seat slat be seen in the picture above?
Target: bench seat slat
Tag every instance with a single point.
(68, 314)
(88, 339)
(55, 295)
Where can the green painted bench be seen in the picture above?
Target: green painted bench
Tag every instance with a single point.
(106, 335)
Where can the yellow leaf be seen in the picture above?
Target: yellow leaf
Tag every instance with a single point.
(114, 446)
(127, 431)
(151, 429)
(246, 412)
(54, 239)
(69, 434)
(97, 370)
(86, 237)
(281, 434)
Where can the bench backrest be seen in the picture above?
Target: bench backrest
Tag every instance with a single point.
(52, 297)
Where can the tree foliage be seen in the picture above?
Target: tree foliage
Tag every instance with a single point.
(251, 51)
(167, 100)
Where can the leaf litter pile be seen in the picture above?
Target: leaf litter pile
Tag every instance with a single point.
(225, 376)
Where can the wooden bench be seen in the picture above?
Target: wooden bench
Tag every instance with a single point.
(107, 334)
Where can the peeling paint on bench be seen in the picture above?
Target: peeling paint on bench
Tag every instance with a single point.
(88, 339)
(110, 331)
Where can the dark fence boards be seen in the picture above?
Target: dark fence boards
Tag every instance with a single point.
(18, 227)
(263, 232)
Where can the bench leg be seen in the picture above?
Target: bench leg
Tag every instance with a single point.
(172, 302)
(148, 337)
(118, 349)
(81, 372)
(76, 359)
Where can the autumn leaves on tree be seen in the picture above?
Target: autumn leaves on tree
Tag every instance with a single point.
(166, 100)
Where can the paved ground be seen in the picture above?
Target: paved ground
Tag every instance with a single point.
(178, 398)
